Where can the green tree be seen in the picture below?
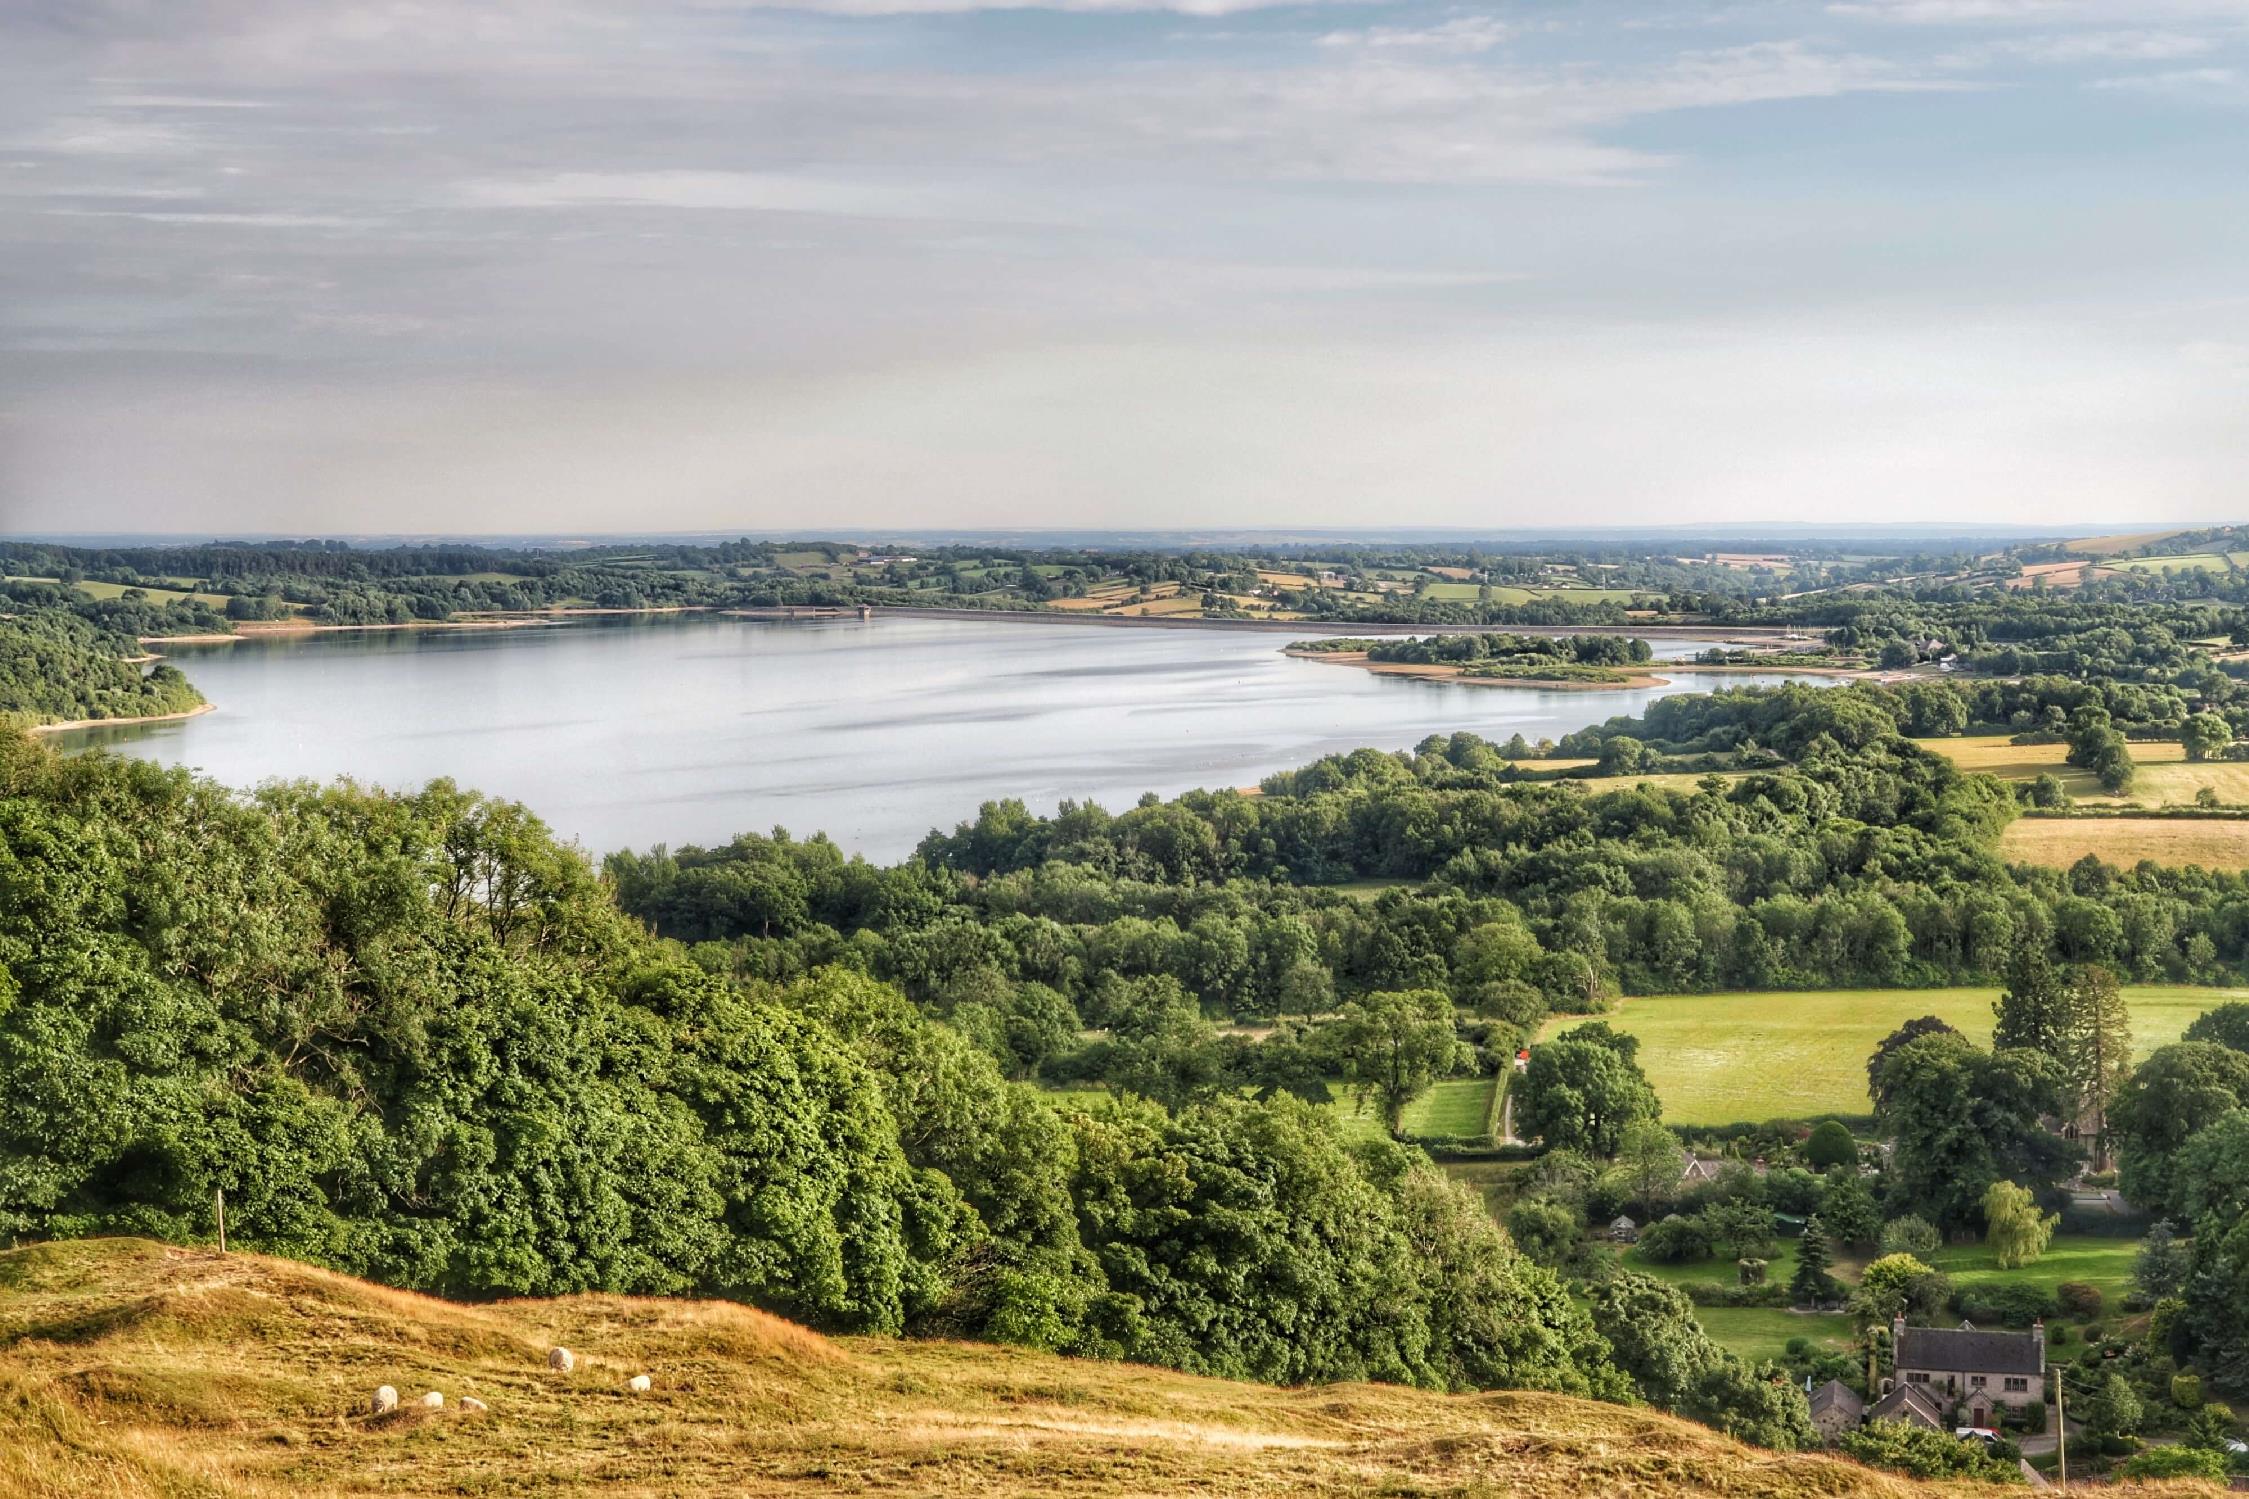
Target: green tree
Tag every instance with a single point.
(2095, 1051)
(2178, 1092)
(2205, 735)
(1898, 1285)
(1652, 1160)
(1582, 1091)
(1651, 1328)
(1911, 1235)
(2113, 1410)
(2160, 1268)
(2174, 1462)
(1847, 1206)
(1812, 1284)
(2016, 1232)
(2033, 1010)
(1394, 1045)
(1961, 1118)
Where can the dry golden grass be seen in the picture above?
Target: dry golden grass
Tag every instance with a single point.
(131, 1369)
(2060, 842)
(2163, 778)
(2099, 546)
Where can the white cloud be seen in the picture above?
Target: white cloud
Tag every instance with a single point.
(1462, 35)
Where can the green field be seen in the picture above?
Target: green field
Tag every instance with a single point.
(1457, 1109)
(2098, 1261)
(2216, 562)
(1729, 1058)
(1508, 593)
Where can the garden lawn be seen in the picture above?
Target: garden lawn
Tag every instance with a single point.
(1736, 1058)
(2095, 1259)
(1762, 1332)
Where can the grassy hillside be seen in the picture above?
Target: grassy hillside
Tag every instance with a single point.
(131, 1368)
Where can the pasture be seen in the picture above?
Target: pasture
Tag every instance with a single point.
(2058, 842)
(1733, 1058)
(2214, 562)
(2164, 776)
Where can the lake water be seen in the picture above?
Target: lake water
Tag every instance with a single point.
(630, 732)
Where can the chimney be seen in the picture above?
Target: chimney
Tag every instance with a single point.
(1897, 1339)
(2038, 1340)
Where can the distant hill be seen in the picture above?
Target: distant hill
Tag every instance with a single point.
(131, 1368)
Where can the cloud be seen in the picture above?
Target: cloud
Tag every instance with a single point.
(2180, 83)
(765, 192)
(1458, 36)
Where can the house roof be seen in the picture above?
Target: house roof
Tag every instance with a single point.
(1907, 1402)
(1623, 1222)
(1966, 1349)
(1836, 1395)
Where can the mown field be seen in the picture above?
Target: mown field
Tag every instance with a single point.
(2058, 842)
(2164, 776)
(1729, 1058)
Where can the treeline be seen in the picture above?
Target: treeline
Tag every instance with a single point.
(2016, 634)
(56, 667)
(413, 1038)
(1864, 865)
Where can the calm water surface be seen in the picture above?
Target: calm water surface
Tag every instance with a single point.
(632, 732)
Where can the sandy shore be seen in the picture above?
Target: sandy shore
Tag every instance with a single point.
(114, 723)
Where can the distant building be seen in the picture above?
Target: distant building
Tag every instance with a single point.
(1624, 1230)
(1836, 1408)
(1699, 1170)
(1969, 1372)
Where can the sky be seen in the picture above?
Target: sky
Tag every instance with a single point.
(544, 265)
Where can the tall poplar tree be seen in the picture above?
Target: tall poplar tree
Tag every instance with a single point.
(2096, 1053)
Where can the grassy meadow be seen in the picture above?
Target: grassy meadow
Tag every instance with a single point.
(1457, 1108)
(2104, 1262)
(1730, 1058)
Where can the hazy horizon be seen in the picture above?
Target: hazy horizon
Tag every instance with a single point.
(716, 265)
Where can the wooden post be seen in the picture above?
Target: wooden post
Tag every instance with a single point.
(222, 1220)
(2061, 1429)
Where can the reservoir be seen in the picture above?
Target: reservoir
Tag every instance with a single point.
(633, 731)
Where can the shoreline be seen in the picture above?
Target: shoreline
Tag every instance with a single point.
(1448, 672)
(1734, 634)
(118, 723)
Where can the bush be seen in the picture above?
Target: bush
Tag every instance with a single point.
(2175, 1462)
(2006, 1303)
(1718, 1293)
(1673, 1240)
(1912, 1235)
(2079, 1299)
(1797, 1346)
(2186, 1391)
(1831, 1144)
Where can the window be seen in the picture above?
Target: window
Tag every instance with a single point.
(1917, 1377)
(1975, 1381)
(2016, 1386)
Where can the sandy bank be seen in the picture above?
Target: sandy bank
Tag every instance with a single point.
(113, 723)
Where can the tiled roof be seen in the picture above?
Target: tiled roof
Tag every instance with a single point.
(1908, 1403)
(1835, 1393)
(1961, 1350)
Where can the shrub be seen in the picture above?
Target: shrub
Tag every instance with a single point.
(1797, 1346)
(2175, 1462)
(2186, 1391)
(1673, 1240)
(2007, 1303)
(1831, 1145)
(2079, 1299)
(1911, 1234)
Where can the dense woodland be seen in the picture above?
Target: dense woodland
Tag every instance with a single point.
(58, 667)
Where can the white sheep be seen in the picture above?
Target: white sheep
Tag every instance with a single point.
(639, 1384)
(386, 1400)
(433, 1401)
(561, 1360)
